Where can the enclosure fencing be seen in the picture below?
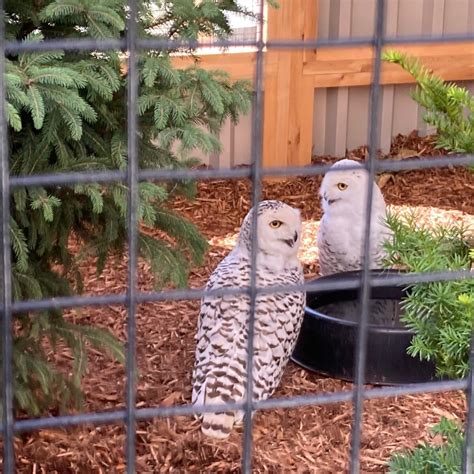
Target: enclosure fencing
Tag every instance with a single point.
(132, 44)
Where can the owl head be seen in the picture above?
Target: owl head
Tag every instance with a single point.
(345, 186)
(278, 229)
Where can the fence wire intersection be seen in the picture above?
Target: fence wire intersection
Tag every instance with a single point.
(133, 45)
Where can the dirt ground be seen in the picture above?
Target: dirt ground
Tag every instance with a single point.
(309, 439)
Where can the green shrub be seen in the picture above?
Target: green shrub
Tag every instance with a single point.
(67, 112)
(442, 316)
(440, 313)
(444, 458)
(449, 107)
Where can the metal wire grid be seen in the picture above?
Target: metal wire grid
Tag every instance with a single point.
(134, 175)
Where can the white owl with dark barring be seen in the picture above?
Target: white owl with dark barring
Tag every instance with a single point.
(342, 230)
(219, 374)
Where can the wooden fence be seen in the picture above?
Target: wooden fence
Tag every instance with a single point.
(291, 76)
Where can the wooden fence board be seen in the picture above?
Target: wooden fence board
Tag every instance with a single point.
(352, 66)
(348, 66)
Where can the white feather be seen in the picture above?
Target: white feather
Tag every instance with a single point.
(342, 230)
(219, 374)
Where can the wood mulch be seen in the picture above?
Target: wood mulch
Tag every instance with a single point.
(307, 439)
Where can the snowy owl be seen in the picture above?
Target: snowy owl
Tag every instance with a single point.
(341, 233)
(219, 374)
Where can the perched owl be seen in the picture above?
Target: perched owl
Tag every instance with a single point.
(219, 374)
(341, 233)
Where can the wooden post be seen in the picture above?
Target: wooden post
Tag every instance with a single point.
(289, 94)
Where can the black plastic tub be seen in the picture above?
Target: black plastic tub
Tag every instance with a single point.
(329, 333)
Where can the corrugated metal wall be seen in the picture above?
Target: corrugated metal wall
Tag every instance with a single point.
(341, 114)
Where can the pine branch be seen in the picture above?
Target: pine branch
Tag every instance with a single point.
(449, 107)
(66, 113)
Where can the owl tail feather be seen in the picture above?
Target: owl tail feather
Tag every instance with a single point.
(218, 425)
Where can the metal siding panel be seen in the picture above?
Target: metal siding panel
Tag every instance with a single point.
(410, 22)
(405, 110)
(433, 17)
(410, 17)
(331, 120)
(243, 141)
(223, 159)
(388, 92)
(432, 23)
(319, 121)
(345, 19)
(437, 20)
(456, 16)
(334, 17)
(386, 118)
(470, 17)
(323, 20)
(336, 100)
(363, 18)
(358, 112)
(342, 121)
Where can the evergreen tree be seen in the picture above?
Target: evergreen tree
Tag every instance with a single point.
(67, 112)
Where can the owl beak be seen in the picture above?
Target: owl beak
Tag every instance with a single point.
(329, 201)
(291, 242)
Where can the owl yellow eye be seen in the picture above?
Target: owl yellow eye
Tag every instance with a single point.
(275, 224)
(342, 186)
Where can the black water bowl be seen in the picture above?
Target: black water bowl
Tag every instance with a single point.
(329, 334)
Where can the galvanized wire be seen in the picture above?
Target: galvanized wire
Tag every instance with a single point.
(256, 177)
(468, 451)
(192, 293)
(132, 209)
(362, 336)
(90, 44)
(133, 175)
(5, 271)
(112, 176)
(112, 417)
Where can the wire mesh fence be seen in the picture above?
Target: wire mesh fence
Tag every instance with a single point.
(133, 175)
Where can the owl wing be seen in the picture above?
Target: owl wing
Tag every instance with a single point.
(287, 317)
(334, 252)
(296, 303)
(219, 372)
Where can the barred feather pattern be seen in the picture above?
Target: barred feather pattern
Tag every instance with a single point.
(221, 351)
